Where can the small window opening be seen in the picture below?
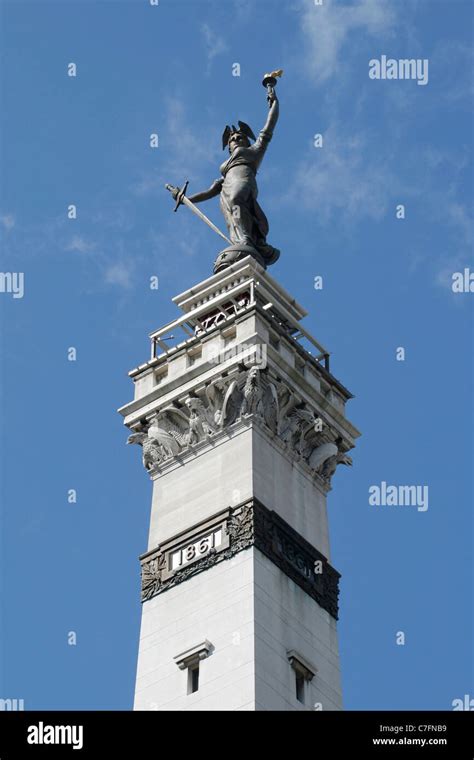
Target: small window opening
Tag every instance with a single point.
(299, 680)
(193, 678)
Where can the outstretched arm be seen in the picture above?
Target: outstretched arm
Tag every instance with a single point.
(273, 114)
(214, 190)
(266, 133)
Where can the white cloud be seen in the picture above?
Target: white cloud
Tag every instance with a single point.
(458, 216)
(342, 179)
(186, 146)
(455, 262)
(147, 184)
(214, 44)
(79, 244)
(327, 27)
(188, 152)
(177, 122)
(8, 221)
(119, 273)
(453, 61)
(243, 10)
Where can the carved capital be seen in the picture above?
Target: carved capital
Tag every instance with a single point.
(250, 393)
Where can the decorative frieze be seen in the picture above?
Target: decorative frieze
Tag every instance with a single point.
(231, 531)
(247, 393)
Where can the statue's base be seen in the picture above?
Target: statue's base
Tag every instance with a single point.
(235, 253)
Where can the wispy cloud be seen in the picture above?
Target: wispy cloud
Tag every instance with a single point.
(8, 221)
(244, 9)
(326, 30)
(106, 253)
(362, 173)
(119, 273)
(80, 244)
(454, 66)
(458, 216)
(347, 180)
(343, 178)
(147, 184)
(188, 151)
(187, 145)
(215, 44)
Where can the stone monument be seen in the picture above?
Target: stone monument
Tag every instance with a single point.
(242, 430)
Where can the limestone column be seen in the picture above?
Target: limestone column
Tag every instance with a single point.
(242, 428)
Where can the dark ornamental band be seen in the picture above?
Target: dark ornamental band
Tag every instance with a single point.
(231, 531)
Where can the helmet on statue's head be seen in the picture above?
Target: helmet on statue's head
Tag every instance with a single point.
(233, 137)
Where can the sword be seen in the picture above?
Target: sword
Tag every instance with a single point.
(180, 197)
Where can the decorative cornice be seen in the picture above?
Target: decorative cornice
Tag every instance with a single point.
(230, 532)
(193, 655)
(301, 665)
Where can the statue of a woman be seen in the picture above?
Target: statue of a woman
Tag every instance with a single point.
(245, 220)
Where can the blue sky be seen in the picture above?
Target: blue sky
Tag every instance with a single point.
(387, 283)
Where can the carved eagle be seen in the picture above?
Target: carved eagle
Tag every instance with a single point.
(225, 402)
(151, 451)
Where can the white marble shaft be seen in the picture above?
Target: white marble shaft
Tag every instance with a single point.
(238, 410)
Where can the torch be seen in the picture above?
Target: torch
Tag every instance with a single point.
(269, 81)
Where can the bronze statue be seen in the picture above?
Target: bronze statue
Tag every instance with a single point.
(246, 223)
